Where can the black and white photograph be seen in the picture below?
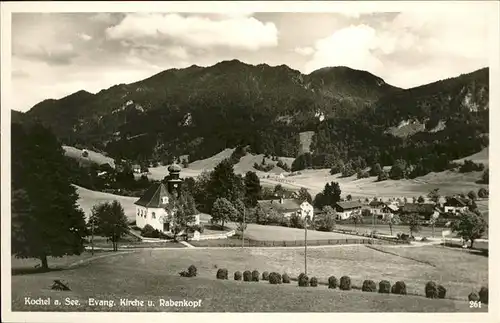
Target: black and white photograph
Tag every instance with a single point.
(248, 157)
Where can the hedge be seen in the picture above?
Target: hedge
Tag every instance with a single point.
(384, 287)
(332, 282)
(345, 283)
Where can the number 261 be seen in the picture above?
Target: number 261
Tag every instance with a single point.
(474, 304)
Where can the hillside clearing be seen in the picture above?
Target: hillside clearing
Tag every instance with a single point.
(481, 157)
(93, 157)
(88, 198)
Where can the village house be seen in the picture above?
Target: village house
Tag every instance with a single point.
(136, 169)
(376, 207)
(288, 207)
(456, 205)
(152, 207)
(388, 210)
(346, 209)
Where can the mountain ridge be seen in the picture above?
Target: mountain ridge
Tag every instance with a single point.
(202, 110)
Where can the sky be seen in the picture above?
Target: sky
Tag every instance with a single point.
(56, 54)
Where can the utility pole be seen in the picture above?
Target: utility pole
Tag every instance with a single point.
(373, 224)
(92, 229)
(305, 241)
(243, 229)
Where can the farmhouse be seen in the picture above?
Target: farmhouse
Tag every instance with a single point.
(288, 207)
(376, 207)
(152, 207)
(456, 205)
(346, 209)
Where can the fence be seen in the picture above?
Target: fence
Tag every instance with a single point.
(226, 235)
(300, 243)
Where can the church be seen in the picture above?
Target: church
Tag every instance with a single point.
(151, 207)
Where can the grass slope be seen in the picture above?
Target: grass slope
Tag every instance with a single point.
(480, 157)
(88, 198)
(93, 156)
(153, 275)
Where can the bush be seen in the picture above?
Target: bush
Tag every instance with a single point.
(255, 276)
(148, 231)
(265, 275)
(274, 278)
(192, 271)
(247, 276)
(441, 291)
(303, 280)
(473, 297)
(369, 286)
(431, 290)
(313, 282)
(424, 239)
(332, 282)
(237, 275)
(345, 283)
(399, 288)
(384, 287)
(222, 273)
(483, 295)
(285, 278)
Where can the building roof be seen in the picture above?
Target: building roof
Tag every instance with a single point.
(287, 205)
(392, 207)
(376, 203)
(418, 208)
(459, 200)
(153, 196)
(349, 205)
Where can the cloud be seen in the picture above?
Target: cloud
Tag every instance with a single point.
(102, 17)
(304, 51)
(84, 36)
(54, 54)
(402, 48)
(349, 46)
(239, 32)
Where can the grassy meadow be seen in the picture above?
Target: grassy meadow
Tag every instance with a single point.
(153, 274)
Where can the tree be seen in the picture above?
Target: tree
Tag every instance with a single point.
(391, 220)
(330, 195)
(304, 196)
(224, 183)
(382, 176)
(472, 195)
(185, 163)
(421, 199)
(485, 178)
(46, 220)
(398, 170)
(182, 212)
(356, 218)
(110, 221)
(348, 170)
(279, 191)
(349, 197)
(434, 195)
(362, 174)
(375, 170)
(413, 222)
(326, 221)
(253, 189)
(483, 193)
(223, 211)
(470, 226)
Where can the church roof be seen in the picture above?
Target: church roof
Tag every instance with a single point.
(153, 196)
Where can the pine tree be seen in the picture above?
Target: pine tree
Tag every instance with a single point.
(46, 220)
(224, 183)
(253, 189)
(223, 211)
(303, 195)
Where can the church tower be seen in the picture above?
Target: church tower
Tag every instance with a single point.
(173, 180)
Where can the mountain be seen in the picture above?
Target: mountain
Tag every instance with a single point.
(200, 111)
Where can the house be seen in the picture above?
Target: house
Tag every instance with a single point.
(388, 210)
(288, 207)
(152, 207)
(425, 210)
(346, 209)
(376, 207)
(137, 169)
(456, 205)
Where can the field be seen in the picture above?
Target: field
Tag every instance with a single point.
(89, 198)
(93, 156)
(153, 274)
(480, 157)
